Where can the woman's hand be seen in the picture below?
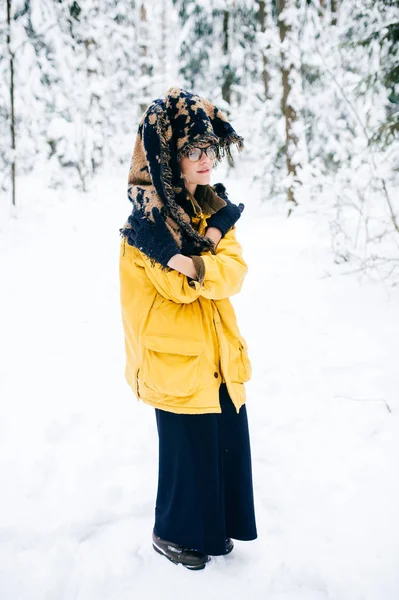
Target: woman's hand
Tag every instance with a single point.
(226, 217)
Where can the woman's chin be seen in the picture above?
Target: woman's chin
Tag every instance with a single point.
(203, 178)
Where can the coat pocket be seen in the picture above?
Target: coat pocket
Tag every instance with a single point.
(244, 364)
(171, 365)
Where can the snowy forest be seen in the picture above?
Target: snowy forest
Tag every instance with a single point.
(312, 86)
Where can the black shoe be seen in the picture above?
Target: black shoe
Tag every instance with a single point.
(192, 559)
(229, 545)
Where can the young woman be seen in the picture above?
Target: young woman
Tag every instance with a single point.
(180, 262)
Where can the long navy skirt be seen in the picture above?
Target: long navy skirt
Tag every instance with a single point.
(205, 492)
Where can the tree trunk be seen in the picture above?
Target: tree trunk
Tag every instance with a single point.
(291, 141)
(334, 11)
(321, 8)
(164, 34)
(227, 73)
(143, 53)
(265, 70)
(12, 121)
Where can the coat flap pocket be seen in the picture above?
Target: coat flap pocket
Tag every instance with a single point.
(173, 345)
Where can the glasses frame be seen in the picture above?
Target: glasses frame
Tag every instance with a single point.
(202, 150)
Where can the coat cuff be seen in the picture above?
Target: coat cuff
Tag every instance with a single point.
(199, 268)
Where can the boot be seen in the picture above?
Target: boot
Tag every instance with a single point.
(229, 545)
(189, 558)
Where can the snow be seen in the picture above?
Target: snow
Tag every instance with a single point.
(78, 453)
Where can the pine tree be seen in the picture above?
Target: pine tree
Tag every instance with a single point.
(196, 42)
(31, 79)
(378, 34)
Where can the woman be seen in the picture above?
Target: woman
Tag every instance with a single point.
(180, 262)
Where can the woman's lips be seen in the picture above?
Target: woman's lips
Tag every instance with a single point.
(204, 171)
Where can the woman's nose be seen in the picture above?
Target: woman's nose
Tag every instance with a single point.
(204, 160)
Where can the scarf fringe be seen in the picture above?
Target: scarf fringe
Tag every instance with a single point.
(167, 182)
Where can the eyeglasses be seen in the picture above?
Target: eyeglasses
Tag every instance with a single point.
(196, 153)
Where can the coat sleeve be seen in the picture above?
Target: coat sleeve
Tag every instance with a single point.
(220, 275)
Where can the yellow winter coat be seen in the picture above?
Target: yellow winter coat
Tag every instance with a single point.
(181, 337)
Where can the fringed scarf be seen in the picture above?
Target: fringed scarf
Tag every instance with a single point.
(168, 129)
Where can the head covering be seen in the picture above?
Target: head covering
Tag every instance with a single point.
(168, 129)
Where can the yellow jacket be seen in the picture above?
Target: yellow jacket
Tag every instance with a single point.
(181, 336)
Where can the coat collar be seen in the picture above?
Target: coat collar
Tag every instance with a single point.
(206, 200)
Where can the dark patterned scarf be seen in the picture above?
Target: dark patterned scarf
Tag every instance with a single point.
(168, 129)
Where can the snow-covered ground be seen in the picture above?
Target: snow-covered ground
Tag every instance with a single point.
(78, 453)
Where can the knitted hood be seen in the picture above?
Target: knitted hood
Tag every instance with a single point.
(167, 130)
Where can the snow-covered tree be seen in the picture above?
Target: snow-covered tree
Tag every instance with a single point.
(31, 79)
(312, 85)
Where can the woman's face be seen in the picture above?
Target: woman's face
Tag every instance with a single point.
(197, 172)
